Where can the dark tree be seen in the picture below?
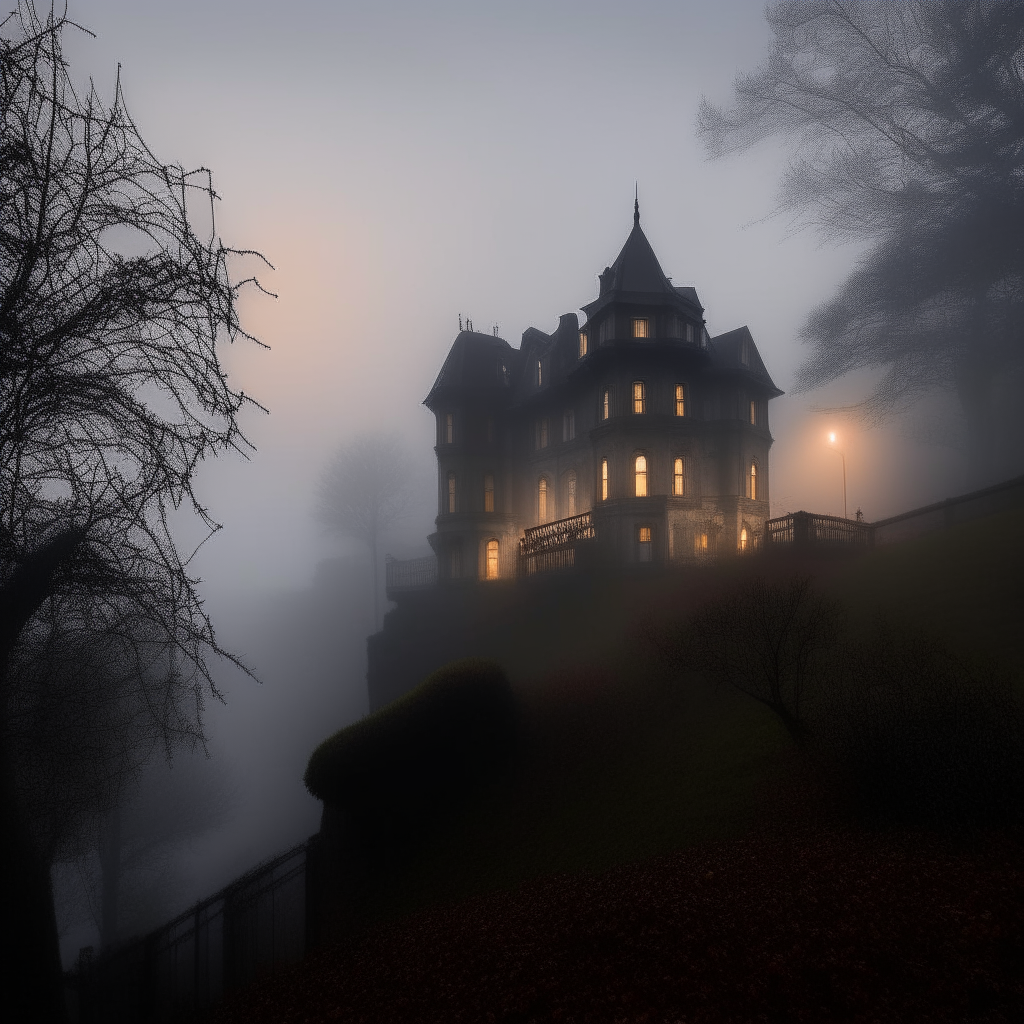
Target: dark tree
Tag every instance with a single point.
(365, 489)
(907, 124)
(771, 641)
(114, 306)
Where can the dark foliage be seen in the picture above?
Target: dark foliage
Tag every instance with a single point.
(771, 640)
(916, 735)
(422, 756)
(906, 120)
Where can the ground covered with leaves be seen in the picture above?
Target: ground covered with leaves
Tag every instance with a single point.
(807, 926)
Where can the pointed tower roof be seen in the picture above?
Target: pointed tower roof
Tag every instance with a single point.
(636, 271)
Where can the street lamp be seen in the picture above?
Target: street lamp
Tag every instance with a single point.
(838, 451)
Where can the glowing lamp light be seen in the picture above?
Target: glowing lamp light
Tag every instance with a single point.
(832, 438)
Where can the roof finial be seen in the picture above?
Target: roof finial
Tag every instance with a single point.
(636, 203)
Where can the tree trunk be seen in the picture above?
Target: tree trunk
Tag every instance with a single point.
(373, 572)
(110, 872)
(32, 983)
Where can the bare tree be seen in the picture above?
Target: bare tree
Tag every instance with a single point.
(114, 306)
(365, 489)
(771, 641)
(907, 122)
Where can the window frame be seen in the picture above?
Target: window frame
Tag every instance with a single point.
(584, 344)
(452, 503)
(543, 490)
(679, 477)
(641, 475)
(639, 398)
(448, 430)
(488, 492)
(569, 425)
(645, 545)
(641, 328)
(753, 412)
(680, 400)
(497, 559)
(604, 478)
(752, 480)
(606, 404)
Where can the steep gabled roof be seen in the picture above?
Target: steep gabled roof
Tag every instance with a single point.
(727, 354)
(636, 268)
(475, 362)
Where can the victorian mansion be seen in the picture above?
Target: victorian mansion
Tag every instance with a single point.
(633, 437)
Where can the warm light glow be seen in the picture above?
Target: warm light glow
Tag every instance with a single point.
(832, 438)
(492, 559)
(641, 476)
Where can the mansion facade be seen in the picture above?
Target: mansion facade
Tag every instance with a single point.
(633, 437)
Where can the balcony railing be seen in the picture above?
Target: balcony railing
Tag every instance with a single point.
(800, 529)
(559, 534)
(408, 574)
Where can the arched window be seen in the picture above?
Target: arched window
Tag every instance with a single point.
(641, 476)
(451, 492)
(753, 481)
(542, 499)
(570, 493)
(492, 560)
(744, 539)
(677, 478)
(489, 492)
(604, 479)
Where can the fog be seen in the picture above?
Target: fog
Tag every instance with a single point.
(400, 164)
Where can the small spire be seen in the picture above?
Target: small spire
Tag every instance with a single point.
(636, 203)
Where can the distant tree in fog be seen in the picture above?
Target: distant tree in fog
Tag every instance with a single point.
(116, 299)
(906, 118)
(366, 488)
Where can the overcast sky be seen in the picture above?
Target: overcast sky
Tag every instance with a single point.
(403, 162)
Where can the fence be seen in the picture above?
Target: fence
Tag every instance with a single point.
(409, 574)
(803, 529)
(262, 920)
(552, 546)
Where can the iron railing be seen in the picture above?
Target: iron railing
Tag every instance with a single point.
(179, 971)
(802, 529)
(409, 574)
(552, 546)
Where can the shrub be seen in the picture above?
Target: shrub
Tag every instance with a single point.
(917, 734)
(423, 755)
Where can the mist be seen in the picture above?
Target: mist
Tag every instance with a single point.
(401, 164)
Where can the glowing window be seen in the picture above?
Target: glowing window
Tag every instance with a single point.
(570, 494)
(451, 492)
(540, 373)
(542, 499)
(753, 413)
(606, 403)
(677, 477)
(449, 428)
(639, 399)
(640, 327)
(604, 479)
(743, 539)
(645, 545)
(680, 399)
(489, 493)
(569, 425)
(641, 476)
(583, 344)
(492, 559)
(700, 544)
(753, 481)
(689, 333)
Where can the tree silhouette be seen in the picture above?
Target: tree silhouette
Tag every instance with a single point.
(115, 301)
(907, 122)
(366, 488)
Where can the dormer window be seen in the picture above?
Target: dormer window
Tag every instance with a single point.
(641, 327)
(540, 373)
(583, 344)
(639, 398)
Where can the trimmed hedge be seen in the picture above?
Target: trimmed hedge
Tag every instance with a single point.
(422, 754)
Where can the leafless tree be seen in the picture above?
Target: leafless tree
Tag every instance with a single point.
(771, 641)
(906, 118)
(365, 489)
(114, 306)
